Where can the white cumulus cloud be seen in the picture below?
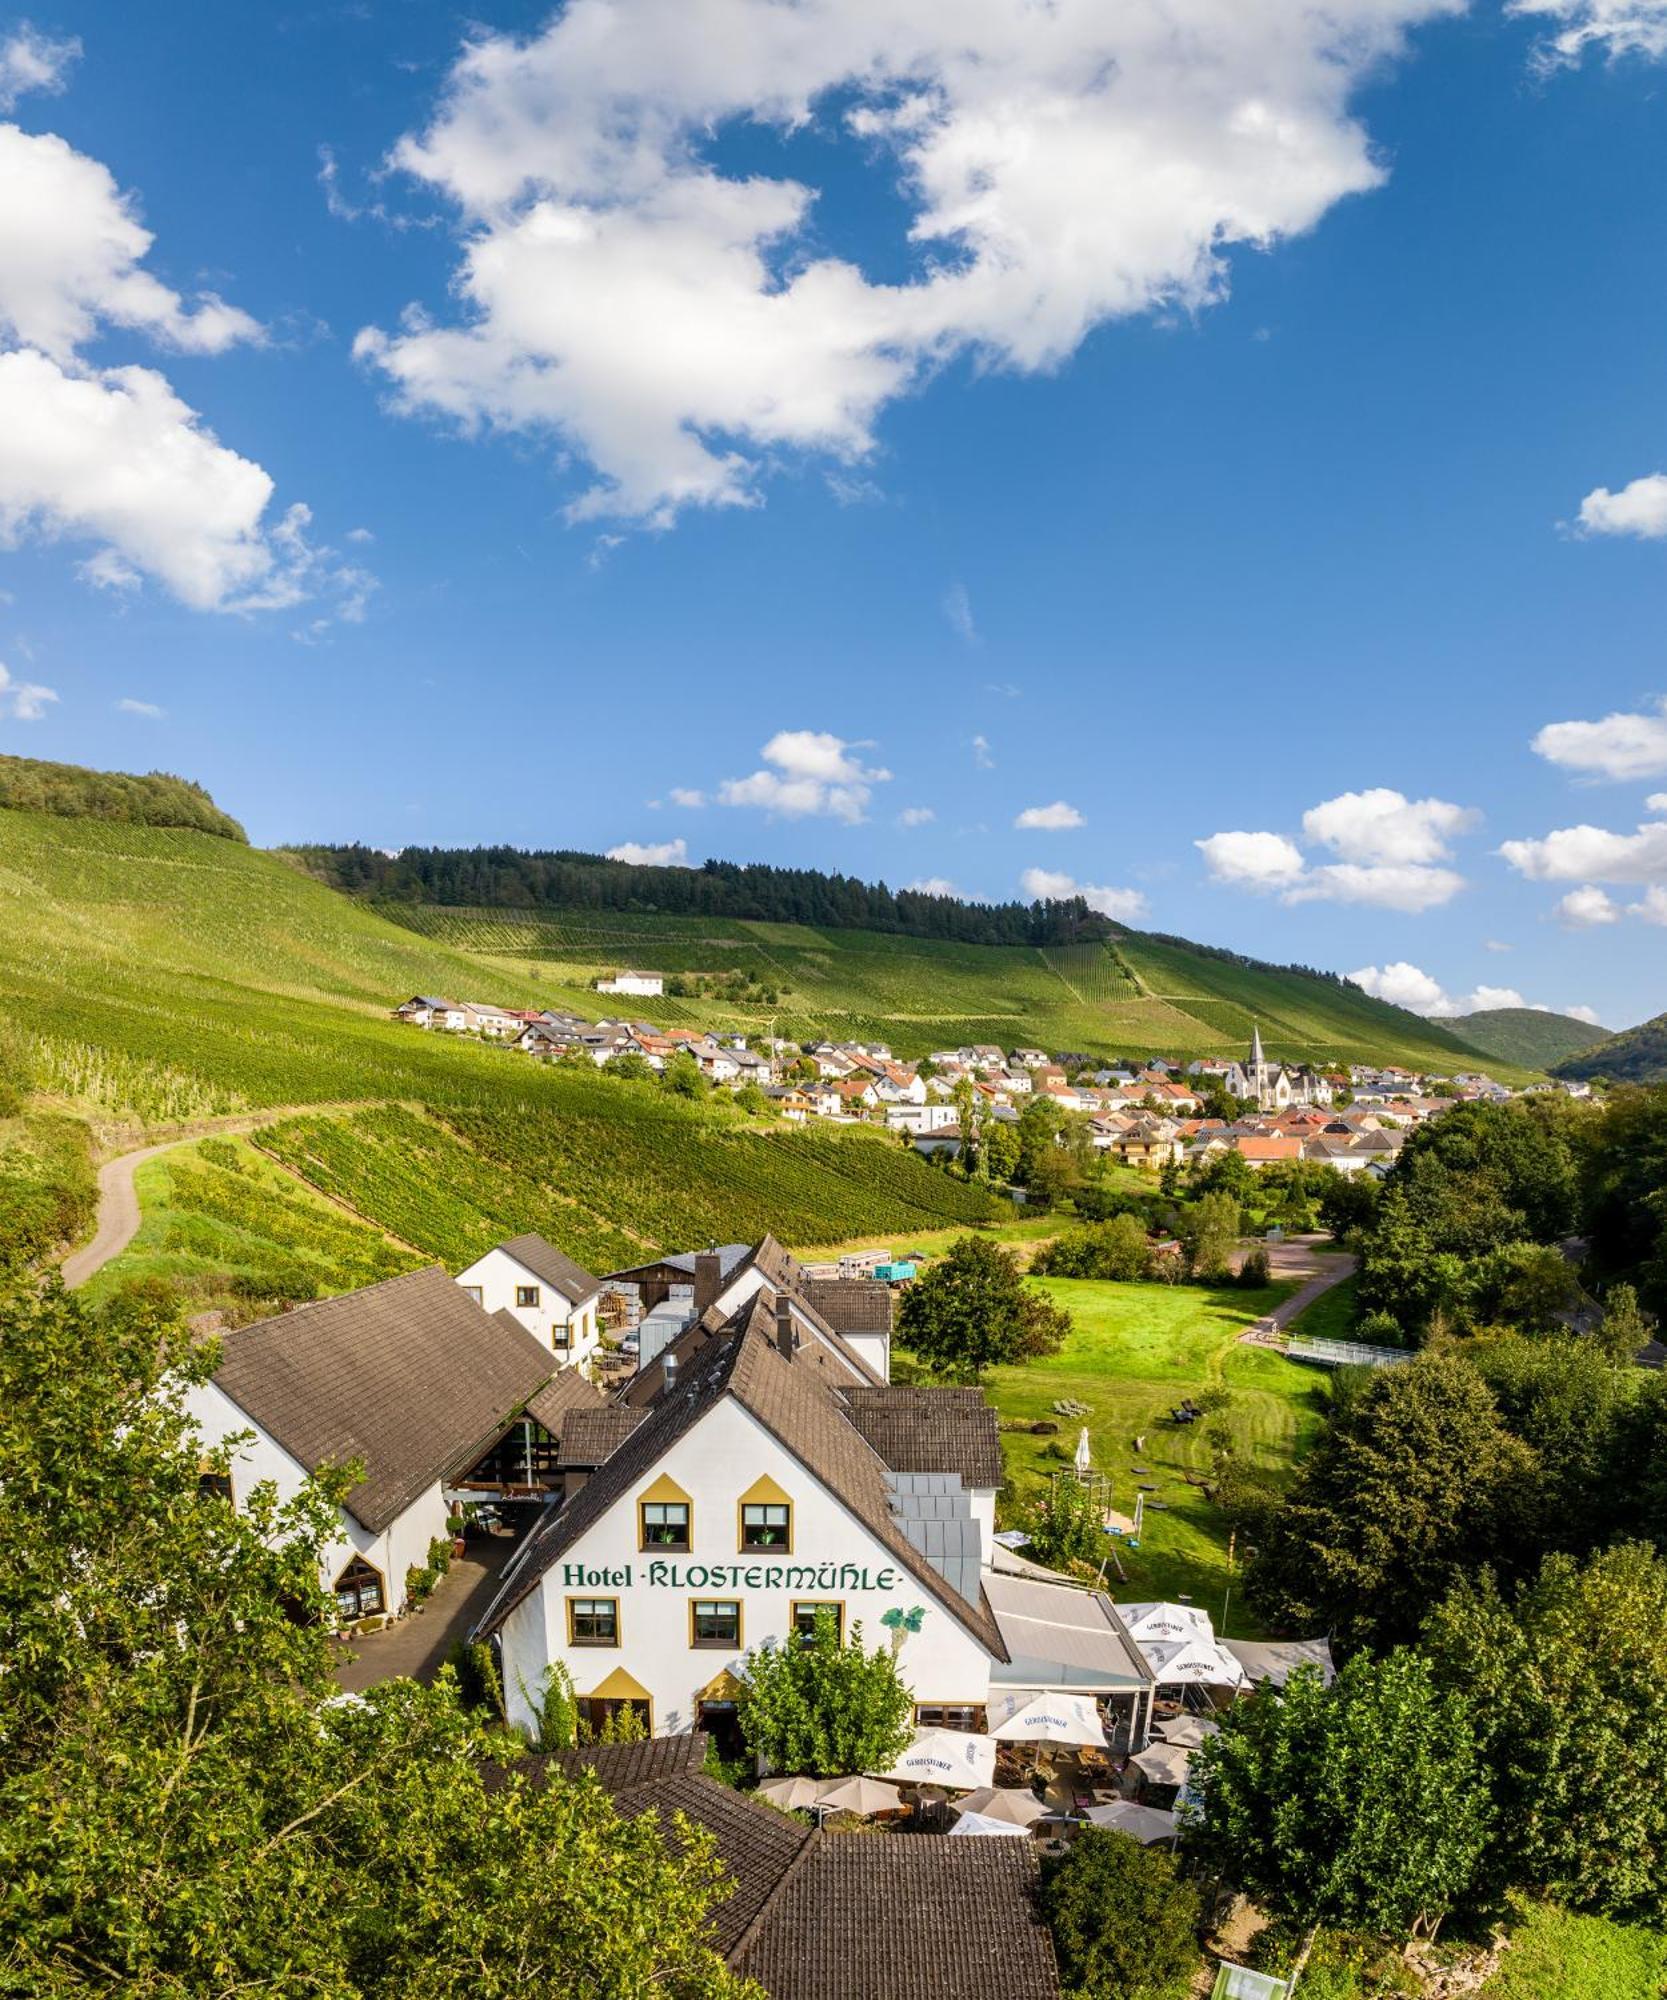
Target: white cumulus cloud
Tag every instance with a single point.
(30, 60)
(112, 456)
(689, 799)
(1384, 826)
(1391, 850)
(1057, 818)
(1620, 746)
(1652, 907)
(149, 709)
(1049, 885)
(683, 327)
(808, 772)
(1639, 509)
(916, 816)
(23, 701)
(71, 252)
(1409, 986)
(932, 885)
(652, 853)
(1587, 908)
(1592, 854)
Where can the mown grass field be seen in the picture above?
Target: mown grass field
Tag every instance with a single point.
(154, 978)
(1137, 1350)
(1560, 1956)
(1140, 996)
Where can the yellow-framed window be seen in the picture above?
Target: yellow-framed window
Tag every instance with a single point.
(806, 1612)
(593, 1621)
(715, 1621)
(767, 1524)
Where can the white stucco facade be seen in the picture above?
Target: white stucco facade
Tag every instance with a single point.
(726, 1458)
(500, 1283)
(402, 1545)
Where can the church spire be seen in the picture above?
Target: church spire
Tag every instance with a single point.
(1257, 1059)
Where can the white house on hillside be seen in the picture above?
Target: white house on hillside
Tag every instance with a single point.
(555, 1299)
(650, 985)
(415, 1382)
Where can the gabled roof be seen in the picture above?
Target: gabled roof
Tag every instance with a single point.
(411, 1377)
(805, 1416)
(879, 1919)
(930, 1430)
(591, 1437)
(850, 1305)
(545, 1261)
(566, 1393)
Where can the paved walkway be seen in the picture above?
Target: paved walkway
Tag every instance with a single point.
(419, 1646)
(1296, 1258)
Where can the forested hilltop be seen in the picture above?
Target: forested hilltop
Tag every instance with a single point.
(1636, 1055)
(564, 879)
(70, 791)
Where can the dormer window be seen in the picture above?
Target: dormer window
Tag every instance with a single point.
(665, 1518)
(665, 1525)
(766, 1526)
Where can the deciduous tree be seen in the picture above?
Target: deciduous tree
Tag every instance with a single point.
(972, 1310)
(1124, 1923)
(818, 1706)
(1363, 1806)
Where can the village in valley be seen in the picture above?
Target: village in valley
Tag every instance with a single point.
(1153, 1114)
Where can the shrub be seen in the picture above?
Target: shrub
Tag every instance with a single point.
(1124, 1923)
(1254, 1272)
(1069, 1527)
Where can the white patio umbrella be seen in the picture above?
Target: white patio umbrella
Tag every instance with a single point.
(1164, 1763)
(954, 1758)
(1164, 1624)
(1188, 1730)
(981, 1823)
(1142, 1823)
(793, 1794)
(859, 1795)
(1197, 1662)
(1085, 1457)
(1023, 1717)
(1018, 1808)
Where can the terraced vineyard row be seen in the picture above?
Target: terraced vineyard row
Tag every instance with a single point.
(635, 1173)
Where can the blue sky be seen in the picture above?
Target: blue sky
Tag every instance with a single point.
(1257, 454)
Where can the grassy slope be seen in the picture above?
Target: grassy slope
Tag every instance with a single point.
(1145, 997)
(1557, 1956)
(1636, 1055)
(1137, 1350)
(1525, 1035)
(161, 976)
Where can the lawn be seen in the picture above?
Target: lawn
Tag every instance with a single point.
(1135, 1352)
(1557, 1956)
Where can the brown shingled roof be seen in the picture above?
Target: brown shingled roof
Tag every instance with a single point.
(590, 1436)
(850, 1305)
(565, 1392)
(411, 1377)
(545, 1261)
(757, 1845)
(930, 1430)
(796, 1406)
(882, 1919)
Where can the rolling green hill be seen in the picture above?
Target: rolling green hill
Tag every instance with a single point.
(1636, 1055)
(1527, 1035)
(152, 977)
(1131, 994)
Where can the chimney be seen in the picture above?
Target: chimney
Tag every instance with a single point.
(784, 1326)
(668, 1369)
(708, 1280)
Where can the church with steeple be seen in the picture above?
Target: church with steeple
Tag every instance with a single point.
(1275, 1086)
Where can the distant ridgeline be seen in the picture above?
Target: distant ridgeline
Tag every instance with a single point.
(1637, 1055)
(156, 799)
(508, 878)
